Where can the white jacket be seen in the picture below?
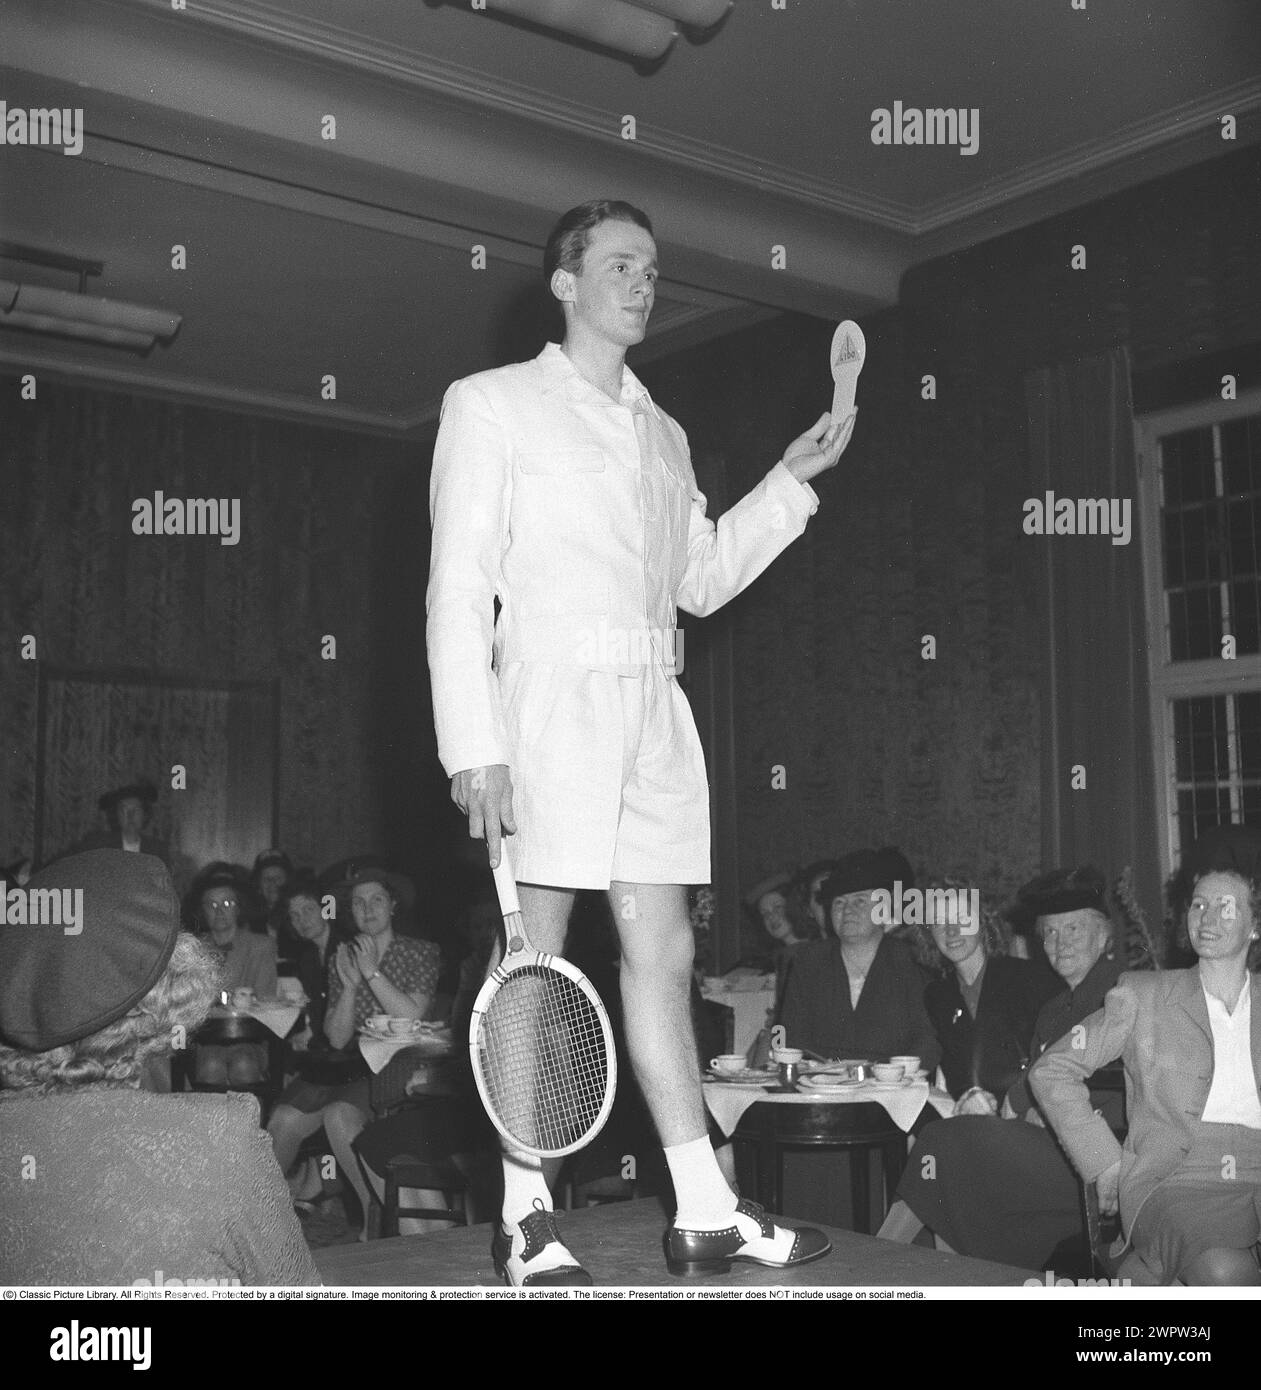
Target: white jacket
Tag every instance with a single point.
(582, 517)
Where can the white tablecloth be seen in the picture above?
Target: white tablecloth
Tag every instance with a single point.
(432, 1042)
(280, 1018)
(727, 1104)
(749, 1007)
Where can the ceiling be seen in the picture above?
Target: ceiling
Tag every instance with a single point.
(353, 257)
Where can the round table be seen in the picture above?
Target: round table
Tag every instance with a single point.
(771, 1130)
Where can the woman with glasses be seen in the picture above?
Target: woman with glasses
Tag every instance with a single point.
(998, 1187)
(1187, 1179)
(223, 905)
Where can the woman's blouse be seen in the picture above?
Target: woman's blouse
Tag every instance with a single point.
(410, 965)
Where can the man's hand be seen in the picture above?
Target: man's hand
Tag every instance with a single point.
(820, 448)
(1108, 1186)
(484, 794)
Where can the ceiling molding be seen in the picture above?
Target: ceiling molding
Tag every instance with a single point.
(468, 87)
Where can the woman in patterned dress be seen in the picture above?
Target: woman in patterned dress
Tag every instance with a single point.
(377, 972)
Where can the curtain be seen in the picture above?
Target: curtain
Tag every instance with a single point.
(1094, 687)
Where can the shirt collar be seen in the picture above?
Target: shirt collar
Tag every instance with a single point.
(559, 372)
(1239, 1010)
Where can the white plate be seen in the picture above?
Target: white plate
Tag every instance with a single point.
(741, 1079)
(840, 1084)
(885, 1085)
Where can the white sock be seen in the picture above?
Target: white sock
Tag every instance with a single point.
(524, 1188)
(705, 1201)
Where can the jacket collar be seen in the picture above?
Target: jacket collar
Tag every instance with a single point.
(1187, 992)
(559, 373)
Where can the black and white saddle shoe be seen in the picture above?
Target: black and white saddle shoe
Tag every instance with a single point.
(543, 1259)
(752, 1237)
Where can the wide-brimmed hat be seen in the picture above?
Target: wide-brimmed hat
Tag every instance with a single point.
(56, 988)
(1059, 891)
(865, 870)
(139, 791)
(775, 883)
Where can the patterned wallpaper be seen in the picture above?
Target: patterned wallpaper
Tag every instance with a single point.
(329, 524)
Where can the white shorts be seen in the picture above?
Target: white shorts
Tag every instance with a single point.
(608, 778)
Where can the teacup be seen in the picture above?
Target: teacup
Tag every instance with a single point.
(790, 1055)
(379, 1023)
(400, 1026)
(910, 1063)
(728, 1062)
(888, 1071)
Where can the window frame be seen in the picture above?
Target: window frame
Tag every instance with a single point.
(1169, 680)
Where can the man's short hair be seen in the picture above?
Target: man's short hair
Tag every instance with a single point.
(568, 240)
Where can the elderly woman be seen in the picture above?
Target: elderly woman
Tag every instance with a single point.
(1188, 1177)
(375, 973)
(983, 1004)
(998, 1187)
(860, 993)
(128, 1183)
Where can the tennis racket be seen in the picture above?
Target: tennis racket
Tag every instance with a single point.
(540, 1042)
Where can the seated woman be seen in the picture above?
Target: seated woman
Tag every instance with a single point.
(859, 993)
(1188, 1177)
(129, 1182)
(318, 938)
(983, 1004)
(998, 1187)
(376, 973)
(247, 960)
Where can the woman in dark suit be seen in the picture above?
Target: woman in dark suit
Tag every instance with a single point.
(982, 1003)
(861, 992)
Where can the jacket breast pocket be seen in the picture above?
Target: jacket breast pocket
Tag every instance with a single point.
(557, 463)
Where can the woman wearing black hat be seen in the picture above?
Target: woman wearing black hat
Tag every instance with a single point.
(129, 1185)
(860, 993)
(1188, 1178)
(999, 1188)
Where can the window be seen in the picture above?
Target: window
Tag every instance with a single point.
(1200, 479)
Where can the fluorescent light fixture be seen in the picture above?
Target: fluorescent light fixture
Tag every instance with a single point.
(90, 318)
(626, 28)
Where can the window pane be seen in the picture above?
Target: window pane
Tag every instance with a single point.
(1187, 466)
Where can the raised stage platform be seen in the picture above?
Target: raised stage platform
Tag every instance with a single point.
(621, 1244)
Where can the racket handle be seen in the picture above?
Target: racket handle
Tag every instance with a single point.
(505, 882)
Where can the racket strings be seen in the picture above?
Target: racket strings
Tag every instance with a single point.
(544, 1058)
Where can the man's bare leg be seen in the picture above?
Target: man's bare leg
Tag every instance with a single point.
(657, 950)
